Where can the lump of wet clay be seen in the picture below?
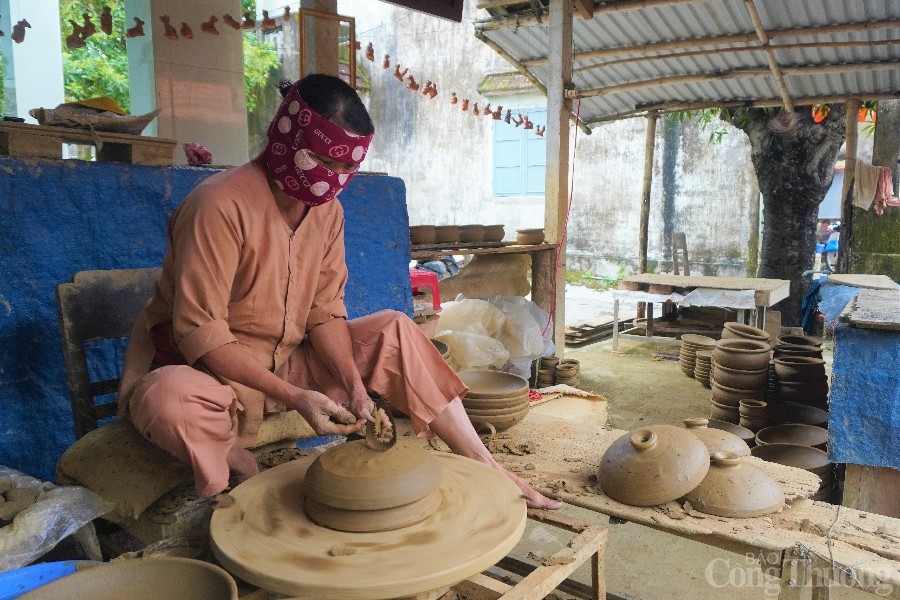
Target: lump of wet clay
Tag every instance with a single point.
(15, 500)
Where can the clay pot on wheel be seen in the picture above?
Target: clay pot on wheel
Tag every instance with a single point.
(717, 440)
(734, 488)
(653, 465)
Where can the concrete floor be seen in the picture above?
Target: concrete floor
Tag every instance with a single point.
(643, 389)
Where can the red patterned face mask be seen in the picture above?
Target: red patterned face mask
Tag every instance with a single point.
(310, 158)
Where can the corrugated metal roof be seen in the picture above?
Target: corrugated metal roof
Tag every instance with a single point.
(668, 55)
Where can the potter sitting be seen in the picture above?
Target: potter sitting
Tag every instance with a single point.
(248, 315)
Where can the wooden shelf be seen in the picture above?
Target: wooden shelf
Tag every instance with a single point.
(419, 252)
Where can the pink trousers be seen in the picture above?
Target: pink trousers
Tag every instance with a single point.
(193, 416)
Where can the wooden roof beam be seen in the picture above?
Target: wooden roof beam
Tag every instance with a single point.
(678, 106)
(599, 9)
(584, 8)
(770, 56)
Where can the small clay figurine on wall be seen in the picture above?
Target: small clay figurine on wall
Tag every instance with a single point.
(137, 30)
(18, 32)
(210, 26)
(106, 25)
(168, 30)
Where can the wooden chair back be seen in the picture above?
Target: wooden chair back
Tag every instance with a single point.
(97, 306)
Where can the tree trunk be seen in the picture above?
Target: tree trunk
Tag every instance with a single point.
(794, 167)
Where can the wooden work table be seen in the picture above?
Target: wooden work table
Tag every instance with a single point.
(811, 539)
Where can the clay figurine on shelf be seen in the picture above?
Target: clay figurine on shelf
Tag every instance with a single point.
(231, 21)
(249, 21)
(413, 84)
(74, 39)
(386, 62)
(18, 32)
(169, 31)
(137, 30)
(465, 104)
(497, 114)
(508, 117)
(370, 52)
(453, 98)
(268, 23)
(286, 15)
(210, 26)
(88, 29)
(106, 24)
(539, 131)
(186, 31)
(475, 110)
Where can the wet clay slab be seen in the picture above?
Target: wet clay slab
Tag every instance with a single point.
(266, 538)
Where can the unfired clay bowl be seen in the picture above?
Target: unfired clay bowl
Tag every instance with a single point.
(734, 488)
(798, 413)
(742, 432)
(734, 330)
(799, 368)
(493, 384)
(748, 355)
(153, 578)
(422, 234)
(446, 234)
(800, 340)
(494, 233)
(528, 237)
(723, 412)
(471, 233)
(793, 433)
(740, 379)
(717, 440)
(653, 465)
(794, 455)
(733, 396)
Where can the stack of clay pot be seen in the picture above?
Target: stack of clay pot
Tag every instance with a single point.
(455, 234)
(567, 372)
(690, 345)
(802, 457)
(496, 401)
(799, 371)
(660, 463)
(546, 375)
(753, 414)
(703, 367)
(739, 372)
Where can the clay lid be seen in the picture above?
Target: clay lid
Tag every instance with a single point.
(493, 384)
(653, 465)
(734, 488)
(352, 476)
(716, 440)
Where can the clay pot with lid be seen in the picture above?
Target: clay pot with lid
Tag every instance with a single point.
(653, 465)
(716, 440)
(734, 330)
(748, 355)
(735, 488)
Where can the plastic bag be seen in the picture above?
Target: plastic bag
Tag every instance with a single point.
(58, 512)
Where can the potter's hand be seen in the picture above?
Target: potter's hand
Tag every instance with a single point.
(326, 416)
(363, 406)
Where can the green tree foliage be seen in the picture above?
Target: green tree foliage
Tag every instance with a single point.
(100, 68)
(260, 61)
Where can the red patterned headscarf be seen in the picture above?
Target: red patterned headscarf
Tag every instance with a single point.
(295, 131)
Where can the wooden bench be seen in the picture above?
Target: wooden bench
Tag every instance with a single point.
(45, 141)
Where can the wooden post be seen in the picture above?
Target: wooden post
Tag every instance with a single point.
(846, 239)
(557, 174)
(649, 147)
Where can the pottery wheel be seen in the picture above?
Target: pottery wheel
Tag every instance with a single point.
(266, 538)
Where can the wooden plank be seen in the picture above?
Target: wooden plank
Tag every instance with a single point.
(872, 489)
(874, 309)
(876, 282)
(767, 291)
(421, 252)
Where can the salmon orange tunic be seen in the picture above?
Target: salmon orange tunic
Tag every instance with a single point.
(234, 271)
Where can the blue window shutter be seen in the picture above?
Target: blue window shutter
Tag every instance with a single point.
(520, 157)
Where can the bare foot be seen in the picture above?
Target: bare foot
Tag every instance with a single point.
(533, 498)
(241, 465)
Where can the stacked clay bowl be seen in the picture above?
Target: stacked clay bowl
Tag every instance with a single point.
(568, 372)
(653, 465)
(734, 330)
(737, 489)
(687, 354)
(352, 487)
(471, 234)
(422, 234)
(703, 367)
(798, 413)
(810, 459)
(443, 348)
(739, 372)
(494, 233)
(546, 375)
(801, 379)
(495, 400)
(717, 440)
(754, 414)
(793, 433)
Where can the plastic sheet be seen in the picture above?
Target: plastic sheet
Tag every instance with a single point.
(743, 299)
(503, 332)
(58, 512)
